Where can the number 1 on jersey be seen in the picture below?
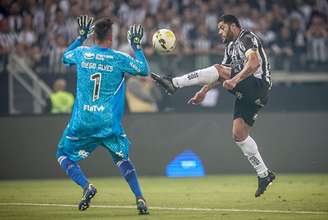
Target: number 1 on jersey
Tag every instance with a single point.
(96, 87)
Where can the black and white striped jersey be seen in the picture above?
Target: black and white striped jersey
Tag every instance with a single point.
(235, 55)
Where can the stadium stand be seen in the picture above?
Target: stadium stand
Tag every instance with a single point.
(37, 32)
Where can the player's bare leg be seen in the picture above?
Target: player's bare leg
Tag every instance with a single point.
(249, 147)
(199, 77)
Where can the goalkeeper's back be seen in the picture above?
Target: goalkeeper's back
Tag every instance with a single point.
(100, 90)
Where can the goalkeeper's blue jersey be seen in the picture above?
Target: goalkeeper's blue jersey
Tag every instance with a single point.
(100, 90)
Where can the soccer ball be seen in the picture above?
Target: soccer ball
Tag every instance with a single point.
(164, 41)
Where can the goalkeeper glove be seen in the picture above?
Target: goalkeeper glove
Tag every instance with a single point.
(86, 26)
(135, 35)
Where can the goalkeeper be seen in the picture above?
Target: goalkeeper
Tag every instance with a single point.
(99, 104)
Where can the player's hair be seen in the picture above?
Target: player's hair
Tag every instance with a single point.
(230, 19)
(103, 28)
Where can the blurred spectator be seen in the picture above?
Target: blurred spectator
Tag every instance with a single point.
(8, 40)
(55, 57)
(317, 46)
(37, 24)
(282, 49)
(142, 95)
(60, 101)
(15, 17)
(27, 35)
(202, 46)
(298, 43)
(20, 52)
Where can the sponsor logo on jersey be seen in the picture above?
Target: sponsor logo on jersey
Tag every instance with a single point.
(93, 108)
(102, 57)
(89, 55)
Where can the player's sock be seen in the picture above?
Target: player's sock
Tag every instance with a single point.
(74, 171)
(129, 173)
(198, 77)
(250, 150)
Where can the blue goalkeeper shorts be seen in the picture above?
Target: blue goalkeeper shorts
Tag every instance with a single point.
(80, 148)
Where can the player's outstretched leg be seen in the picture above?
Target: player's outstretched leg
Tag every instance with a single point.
(88, 194)
(129, 173)
(198, 77)
(264, 182)
(165, 82)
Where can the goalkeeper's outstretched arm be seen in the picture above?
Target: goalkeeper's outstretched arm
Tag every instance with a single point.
(139, 64)
(85, 24)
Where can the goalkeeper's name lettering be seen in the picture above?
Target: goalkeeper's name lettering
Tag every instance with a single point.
(91, 65)
(93, 108)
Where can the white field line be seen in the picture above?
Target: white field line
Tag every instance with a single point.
(174, 208)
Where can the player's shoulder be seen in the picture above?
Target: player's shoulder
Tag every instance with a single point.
(121, 55)
(246, 34)
(249, 38)
(82, 48)
(79, 50)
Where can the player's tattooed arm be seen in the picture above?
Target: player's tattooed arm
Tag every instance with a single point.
(200, 95)
(250, 67)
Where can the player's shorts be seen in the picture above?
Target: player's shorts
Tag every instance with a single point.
(79, 148)
(251, 95)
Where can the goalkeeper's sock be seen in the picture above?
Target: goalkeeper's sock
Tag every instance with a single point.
(74, 171)
(199, 77)
(129, 173)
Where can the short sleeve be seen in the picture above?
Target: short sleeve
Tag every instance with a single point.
(249, 42)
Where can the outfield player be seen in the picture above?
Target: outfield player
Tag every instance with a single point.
(99, 105)
(245, 72)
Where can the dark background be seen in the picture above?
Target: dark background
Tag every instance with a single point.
(288, 141)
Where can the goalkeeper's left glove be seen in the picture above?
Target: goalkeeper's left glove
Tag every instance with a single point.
(135, 35)
(86, 26)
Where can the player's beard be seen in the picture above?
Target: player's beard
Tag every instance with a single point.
(229, 37)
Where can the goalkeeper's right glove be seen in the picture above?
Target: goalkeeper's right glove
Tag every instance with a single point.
(135, 35)
(86, 26)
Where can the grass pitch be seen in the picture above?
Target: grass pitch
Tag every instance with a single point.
(212, 197)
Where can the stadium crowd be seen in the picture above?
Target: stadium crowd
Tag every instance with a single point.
(295, 31)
